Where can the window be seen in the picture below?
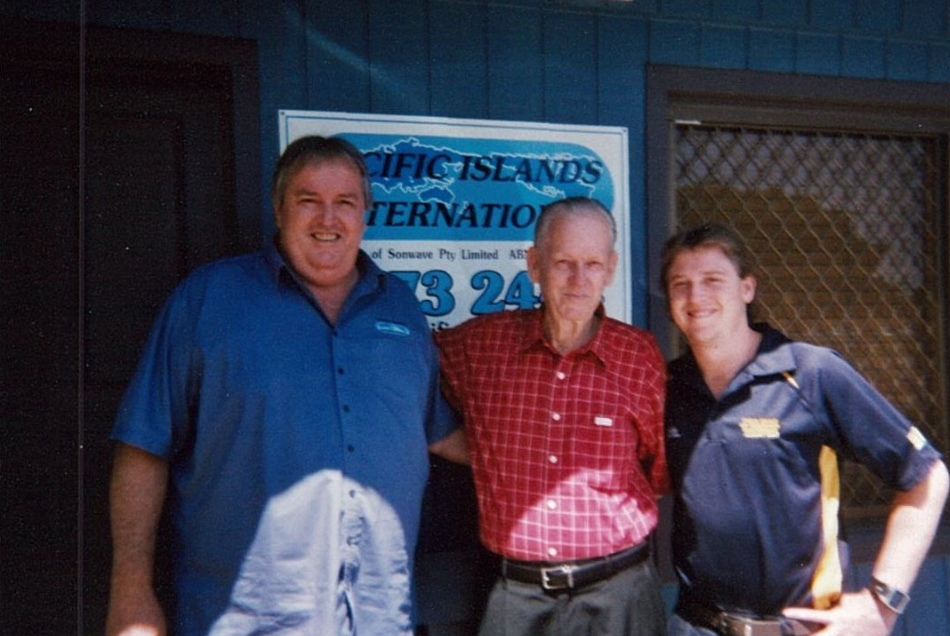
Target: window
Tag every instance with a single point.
(844, 204)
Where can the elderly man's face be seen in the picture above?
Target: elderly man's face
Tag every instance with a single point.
(321, 223)
(573, 265)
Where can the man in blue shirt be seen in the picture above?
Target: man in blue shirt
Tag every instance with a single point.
(755, 424)
(284, 404)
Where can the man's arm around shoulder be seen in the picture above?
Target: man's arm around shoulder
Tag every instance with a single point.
(453, 447)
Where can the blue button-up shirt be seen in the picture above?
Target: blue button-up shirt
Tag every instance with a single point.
(297, 448)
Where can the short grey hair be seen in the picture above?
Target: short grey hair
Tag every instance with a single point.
(572, 206)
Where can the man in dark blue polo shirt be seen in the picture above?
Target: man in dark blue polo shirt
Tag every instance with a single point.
(754, 427)
(284, 402)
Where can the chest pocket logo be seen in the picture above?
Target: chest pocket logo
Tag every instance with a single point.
(392, 328)
(760, 427)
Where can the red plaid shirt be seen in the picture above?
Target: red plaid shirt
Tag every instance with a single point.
(567, 450)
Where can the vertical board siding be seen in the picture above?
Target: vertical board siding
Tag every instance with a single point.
(862, 57)
(771, 50)
(281, 43)
(878, 16)
(724, 47)
(459, 60)
(570, 68)
(696, 9)
(623, 50)
(399, 64)
(336, 56)
(739, 11)
(834, 15)
(907, 60)
(547, 60)
(515, 64)
(818, 54)
(788, 13)
(675, 42)
(939, 63)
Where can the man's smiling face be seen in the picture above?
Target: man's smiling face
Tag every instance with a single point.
(321, 222)
(707, 296)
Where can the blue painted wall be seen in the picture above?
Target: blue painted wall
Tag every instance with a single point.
(561, 61)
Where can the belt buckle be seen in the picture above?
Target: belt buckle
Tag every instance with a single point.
(565, 570)
(735, 625)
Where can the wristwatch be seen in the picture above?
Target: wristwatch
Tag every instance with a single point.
(891, 597)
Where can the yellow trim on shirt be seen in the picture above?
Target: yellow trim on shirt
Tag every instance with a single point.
(826, 584)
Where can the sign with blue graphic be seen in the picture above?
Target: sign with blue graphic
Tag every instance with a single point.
(456, 200)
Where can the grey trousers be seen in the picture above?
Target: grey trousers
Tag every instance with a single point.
(626, 604)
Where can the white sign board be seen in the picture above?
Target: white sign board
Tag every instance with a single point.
(455, 201)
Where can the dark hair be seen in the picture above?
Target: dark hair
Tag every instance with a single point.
(315, 150)
(707, 235)
(569, 206)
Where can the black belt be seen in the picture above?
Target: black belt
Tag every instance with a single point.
(740, 624)
(574, 574)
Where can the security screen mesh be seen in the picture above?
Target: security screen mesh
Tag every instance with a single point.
(845, 229)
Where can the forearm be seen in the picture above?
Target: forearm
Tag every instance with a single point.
(454, 448)
(910, 530)
(137, 494)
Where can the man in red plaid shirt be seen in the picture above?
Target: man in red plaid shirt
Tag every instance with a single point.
(563, 411)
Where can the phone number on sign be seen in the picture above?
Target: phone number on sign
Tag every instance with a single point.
(492, 291)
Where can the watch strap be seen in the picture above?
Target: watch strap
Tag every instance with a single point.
(894, 599)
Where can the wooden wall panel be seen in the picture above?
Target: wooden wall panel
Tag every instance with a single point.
(337, 56)
(515, 64)
(399, 63)
(458, 42)
(570, 68)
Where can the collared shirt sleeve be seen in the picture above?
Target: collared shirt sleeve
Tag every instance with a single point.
(870, 429)
(153, 414)
(653, 448)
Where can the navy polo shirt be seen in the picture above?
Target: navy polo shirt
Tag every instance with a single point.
(754, 472)
(288, 437)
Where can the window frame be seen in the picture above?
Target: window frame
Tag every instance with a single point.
(750, 98)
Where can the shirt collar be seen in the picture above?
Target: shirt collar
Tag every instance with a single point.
(772, 358)
(371, 279)
(533, 337)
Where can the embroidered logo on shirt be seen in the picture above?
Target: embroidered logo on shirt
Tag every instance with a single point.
(392, 328)
(600, 420)
(760, 427)
(916, 438)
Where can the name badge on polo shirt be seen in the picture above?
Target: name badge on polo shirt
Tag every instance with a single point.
(600, 420)
(392, 328)
(760, 427)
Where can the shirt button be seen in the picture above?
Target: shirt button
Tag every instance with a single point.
(552, 552)
(351, 448)
(556, 417)
(552, 459)
(552, 504)
(352, 494)
(561, 375)
(346, 408)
